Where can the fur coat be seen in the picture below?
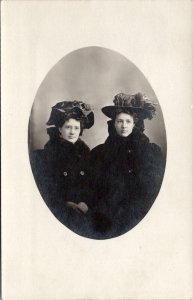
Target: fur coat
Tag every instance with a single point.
(126, 176)
(61, 174)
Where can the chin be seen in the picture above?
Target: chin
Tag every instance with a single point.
(72, 140)
(124, 134)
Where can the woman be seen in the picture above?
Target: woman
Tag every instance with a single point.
(60, 169)
(128, 169)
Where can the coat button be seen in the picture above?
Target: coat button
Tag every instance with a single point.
(130, 171)
(65, 173)
(82, 173)
(129, 151)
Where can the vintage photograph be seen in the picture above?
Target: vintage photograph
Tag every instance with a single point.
(97, 143)
(96, 120)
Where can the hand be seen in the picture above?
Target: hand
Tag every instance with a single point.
(74, 206)
(81, 207)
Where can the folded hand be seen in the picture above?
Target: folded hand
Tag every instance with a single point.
(81, 207)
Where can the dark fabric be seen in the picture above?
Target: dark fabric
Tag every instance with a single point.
(61, 174)
(126, 176)
(118, 180)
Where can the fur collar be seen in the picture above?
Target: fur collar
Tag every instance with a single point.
(136, 139)
(58, 147)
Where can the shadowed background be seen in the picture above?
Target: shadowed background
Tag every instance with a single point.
(93, 75)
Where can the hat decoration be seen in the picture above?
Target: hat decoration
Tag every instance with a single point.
(71, 109)
(138, 103)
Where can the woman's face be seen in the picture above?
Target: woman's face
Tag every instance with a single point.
(70, 130)
(124, 124)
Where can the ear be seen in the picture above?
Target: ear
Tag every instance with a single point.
(60, 129)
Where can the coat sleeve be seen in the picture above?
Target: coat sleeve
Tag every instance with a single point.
(47, 186)
(150, 178)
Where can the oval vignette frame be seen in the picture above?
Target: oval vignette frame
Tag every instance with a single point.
(94, 75)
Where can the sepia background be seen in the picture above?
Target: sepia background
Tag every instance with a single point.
(41, 258)
(94, 75)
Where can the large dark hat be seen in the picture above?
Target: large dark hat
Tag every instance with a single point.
(71, 109)
(137, 103)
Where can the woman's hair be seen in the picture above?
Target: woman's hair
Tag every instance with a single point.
(54, 132)
(67, 118)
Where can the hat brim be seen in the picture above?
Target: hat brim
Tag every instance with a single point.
(112, 110)
(58, 116)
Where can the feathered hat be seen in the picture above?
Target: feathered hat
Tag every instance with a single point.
(137, 103)
(71, 109)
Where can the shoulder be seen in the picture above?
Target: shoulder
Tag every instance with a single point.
(98, 150)
(98, 155)
(153, 156)
(36, 155)
(143, 143)
(154, 149)
(37, 161)
(82, 146)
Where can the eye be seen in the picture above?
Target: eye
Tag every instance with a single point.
(77, 128)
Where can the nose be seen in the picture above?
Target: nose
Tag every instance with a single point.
(72, 131)
(124, 125)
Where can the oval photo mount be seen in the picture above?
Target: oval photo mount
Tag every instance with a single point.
(105, 192)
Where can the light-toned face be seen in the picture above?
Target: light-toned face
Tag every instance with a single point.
(124, 124)
(70, 130)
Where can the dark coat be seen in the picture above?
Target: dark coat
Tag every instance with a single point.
(126, 176)
(61, 174)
